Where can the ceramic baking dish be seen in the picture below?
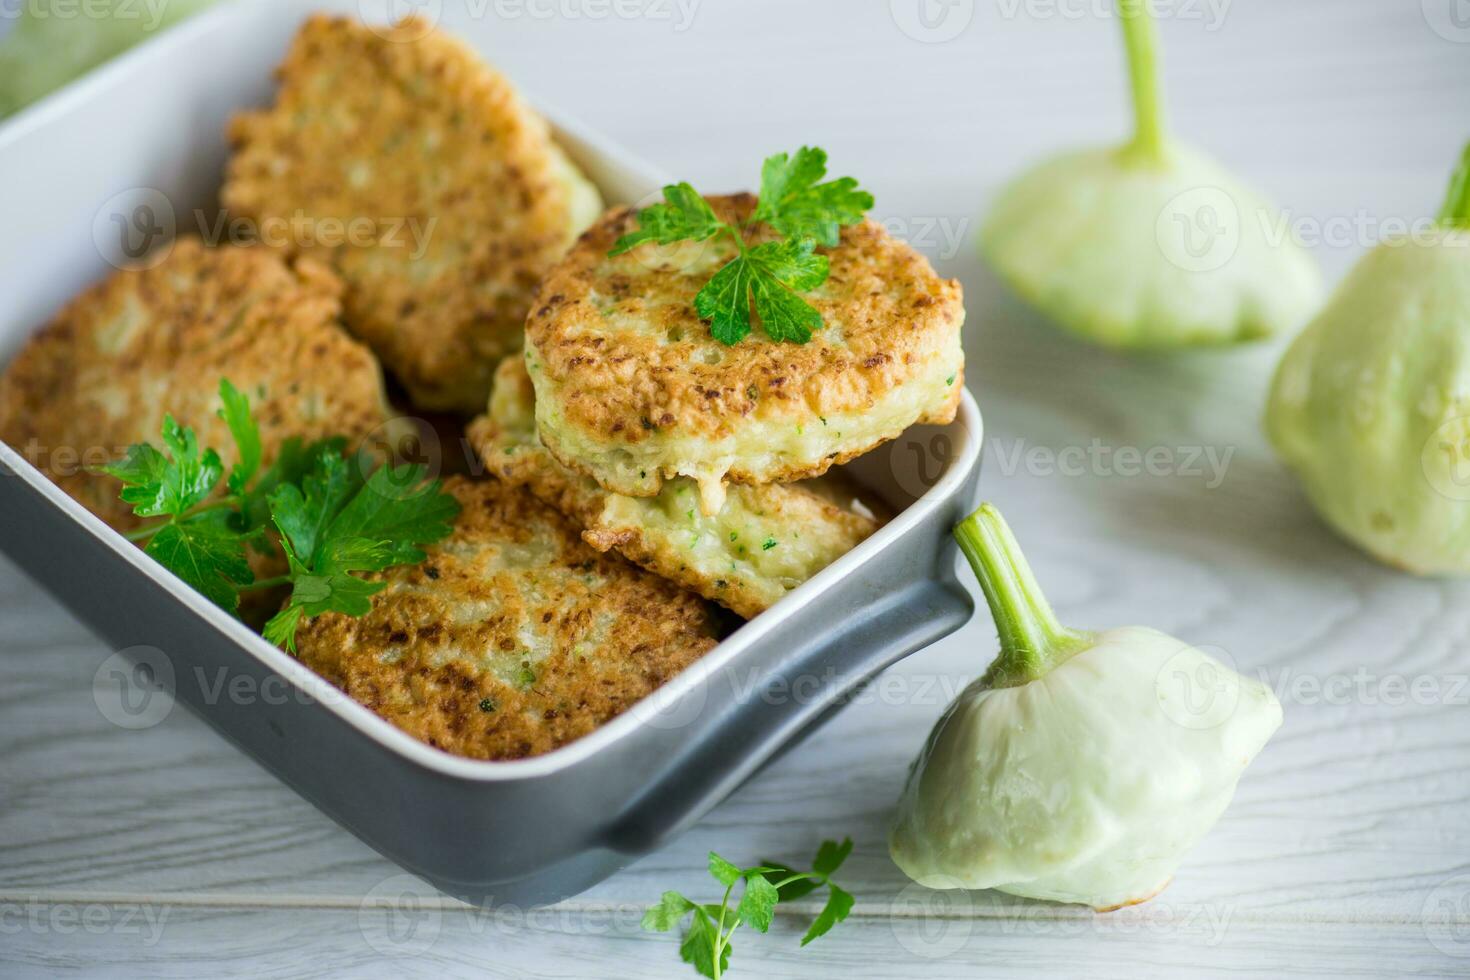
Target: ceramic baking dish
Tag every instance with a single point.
(148, 128)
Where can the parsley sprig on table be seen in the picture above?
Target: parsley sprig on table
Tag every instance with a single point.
(335, 515)
(768, 277)
(706, 945)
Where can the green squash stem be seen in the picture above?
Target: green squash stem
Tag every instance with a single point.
(1032, 642)
(1141, 37)
(1456, 210)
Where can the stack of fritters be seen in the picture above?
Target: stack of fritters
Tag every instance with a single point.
(763, 542)
(680, 452)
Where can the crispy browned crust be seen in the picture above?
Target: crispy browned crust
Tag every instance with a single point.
(629, 360)
(505, 440)
(513, 638)
(399, 124)
(147, 342)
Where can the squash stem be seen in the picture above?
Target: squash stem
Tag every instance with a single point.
(1141, 38)
(1032, 642)
(1456, 210)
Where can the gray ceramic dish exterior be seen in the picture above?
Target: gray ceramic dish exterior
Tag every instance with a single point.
(522, 832)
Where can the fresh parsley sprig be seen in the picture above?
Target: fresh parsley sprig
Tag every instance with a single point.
(768, 277)
(335, 524)
(706, 944)
(335, 515)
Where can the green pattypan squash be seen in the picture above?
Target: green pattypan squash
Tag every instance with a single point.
(1082, 766)
(1151, 245)
(1371, 404)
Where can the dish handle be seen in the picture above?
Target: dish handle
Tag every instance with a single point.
(734, 725)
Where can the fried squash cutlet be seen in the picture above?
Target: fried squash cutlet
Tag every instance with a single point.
(434, 190)
(150, 341)
(513, 637)
(632, 389)
(764, 542)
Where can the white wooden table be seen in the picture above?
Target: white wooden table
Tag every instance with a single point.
(164, 852)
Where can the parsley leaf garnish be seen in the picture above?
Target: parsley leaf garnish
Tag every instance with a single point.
(766, 280)
(684, 216)
(167, 484)
(399, 509)
(203, 551)
(792, 202)
(193, 542)
(336, 524)
(706, 945)
(332, 519)
(294, 459)
(302, 512)
(235, 411)
(772, 274)
(725, 302)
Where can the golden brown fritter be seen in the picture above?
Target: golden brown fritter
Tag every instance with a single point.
(437, 194)
(632, 389)
(146, 342)
(514, 637)
(764, 542)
